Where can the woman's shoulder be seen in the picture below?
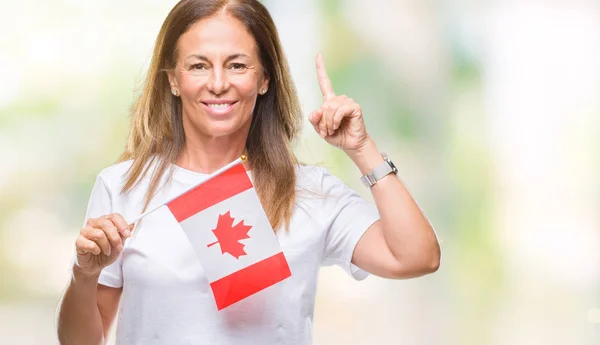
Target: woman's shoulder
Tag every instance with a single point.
(114, 176)
(315, 178)
(115, 172)
(307, 174)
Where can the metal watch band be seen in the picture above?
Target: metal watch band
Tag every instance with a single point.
(383, 169)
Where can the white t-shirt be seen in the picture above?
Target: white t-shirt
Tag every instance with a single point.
(166, 296)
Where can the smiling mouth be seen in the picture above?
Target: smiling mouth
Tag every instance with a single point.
(220, 108)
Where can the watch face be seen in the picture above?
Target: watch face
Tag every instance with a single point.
(394, 169)
(389, 161)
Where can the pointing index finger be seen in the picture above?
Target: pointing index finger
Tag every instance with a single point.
(324, 82)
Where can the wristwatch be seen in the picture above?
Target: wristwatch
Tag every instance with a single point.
(383, 169)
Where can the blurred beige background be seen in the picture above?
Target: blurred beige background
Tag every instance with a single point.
(490, 109)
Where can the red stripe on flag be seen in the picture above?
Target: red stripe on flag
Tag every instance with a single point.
(250, 280)
(223, 186)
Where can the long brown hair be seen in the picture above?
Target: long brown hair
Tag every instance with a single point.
(157, 138)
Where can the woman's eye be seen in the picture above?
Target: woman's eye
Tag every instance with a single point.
(237, 66)
(198, 67)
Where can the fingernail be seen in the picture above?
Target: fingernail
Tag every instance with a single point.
(108, 252)
(127, 232)
(119, 247)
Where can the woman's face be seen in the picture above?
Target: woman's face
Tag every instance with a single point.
(218, 76)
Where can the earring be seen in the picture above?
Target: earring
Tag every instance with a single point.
(263, 91)
(175, 93)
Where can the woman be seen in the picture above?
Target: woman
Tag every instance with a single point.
(219, 86)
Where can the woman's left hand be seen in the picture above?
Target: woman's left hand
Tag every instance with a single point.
(339, 120)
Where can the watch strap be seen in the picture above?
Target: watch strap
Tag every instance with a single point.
(380, 171)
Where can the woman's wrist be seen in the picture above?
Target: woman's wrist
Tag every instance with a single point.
(367, 157)
(80, 276)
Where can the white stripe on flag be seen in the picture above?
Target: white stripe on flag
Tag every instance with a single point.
(244, 207)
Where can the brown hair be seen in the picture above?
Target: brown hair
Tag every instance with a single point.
(157, 137)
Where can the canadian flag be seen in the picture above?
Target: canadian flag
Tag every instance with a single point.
(230, 232)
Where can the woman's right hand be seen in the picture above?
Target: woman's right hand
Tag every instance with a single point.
(100, 242)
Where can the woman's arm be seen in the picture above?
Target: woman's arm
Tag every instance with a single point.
(86, 311)
(402, 244)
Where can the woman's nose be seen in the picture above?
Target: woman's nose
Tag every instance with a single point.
(218, 83)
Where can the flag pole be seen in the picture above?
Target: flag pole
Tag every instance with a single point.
(241, 159)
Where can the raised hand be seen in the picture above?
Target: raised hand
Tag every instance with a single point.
(100, 242)
(339, 119)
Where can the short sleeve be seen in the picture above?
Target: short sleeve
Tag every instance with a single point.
(100, 204)
(347, 216)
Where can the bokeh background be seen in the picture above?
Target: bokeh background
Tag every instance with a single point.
(490, 109)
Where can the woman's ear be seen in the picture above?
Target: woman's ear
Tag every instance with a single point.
(173, 83)
(264, 86)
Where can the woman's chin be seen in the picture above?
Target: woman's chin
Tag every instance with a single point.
(223, 131)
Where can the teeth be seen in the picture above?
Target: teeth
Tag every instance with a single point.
(219, 106)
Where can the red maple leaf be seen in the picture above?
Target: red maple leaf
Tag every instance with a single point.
(228, 235)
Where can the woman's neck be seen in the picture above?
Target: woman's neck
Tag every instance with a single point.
(206, 155)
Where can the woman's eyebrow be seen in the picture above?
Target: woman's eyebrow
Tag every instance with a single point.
(229, 58)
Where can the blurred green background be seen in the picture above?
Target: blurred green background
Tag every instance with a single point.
(490, 109)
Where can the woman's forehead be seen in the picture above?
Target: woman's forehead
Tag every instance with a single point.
(221, 34)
